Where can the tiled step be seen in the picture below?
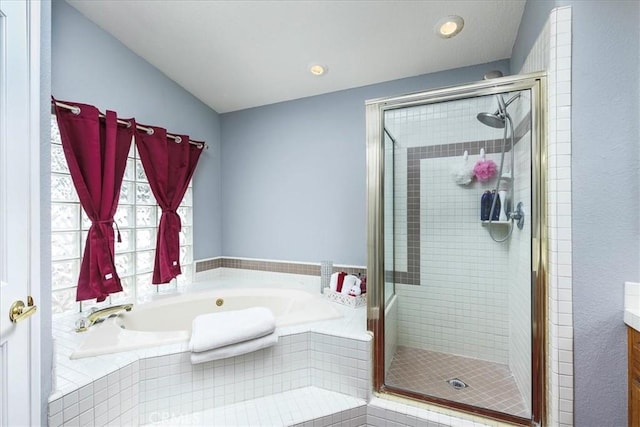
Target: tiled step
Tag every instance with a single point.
(395, 412)
(308, 406)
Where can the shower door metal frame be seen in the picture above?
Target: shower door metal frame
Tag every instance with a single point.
(375, 109)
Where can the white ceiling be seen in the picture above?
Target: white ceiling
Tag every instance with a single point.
(234, 55)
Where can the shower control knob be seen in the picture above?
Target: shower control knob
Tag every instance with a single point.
(518, 215)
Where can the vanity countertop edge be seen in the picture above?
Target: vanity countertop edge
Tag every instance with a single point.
(632, 305)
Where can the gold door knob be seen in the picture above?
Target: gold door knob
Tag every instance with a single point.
(19, 311)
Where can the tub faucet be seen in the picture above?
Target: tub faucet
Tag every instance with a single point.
(99, 315)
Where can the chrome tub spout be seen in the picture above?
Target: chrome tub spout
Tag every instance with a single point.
(99, 315)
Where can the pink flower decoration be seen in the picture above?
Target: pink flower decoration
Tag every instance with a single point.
(484, 170)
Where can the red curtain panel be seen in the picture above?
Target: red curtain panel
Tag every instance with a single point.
(96, 151)
(169, 166)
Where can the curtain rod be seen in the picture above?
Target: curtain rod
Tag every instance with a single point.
(76, 110)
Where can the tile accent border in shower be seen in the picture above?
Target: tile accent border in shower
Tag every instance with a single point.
(414, 155)
(308, 269)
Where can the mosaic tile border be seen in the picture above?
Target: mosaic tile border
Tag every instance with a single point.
(414, 155)
(308, 269)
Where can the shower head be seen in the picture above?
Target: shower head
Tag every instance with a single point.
(498, 119)
(495, 120)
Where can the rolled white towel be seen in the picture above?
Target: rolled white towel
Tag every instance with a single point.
(214, 330)
(337, 284)
(333, 283)
(235, 349)
(349, 282)
(355, 290)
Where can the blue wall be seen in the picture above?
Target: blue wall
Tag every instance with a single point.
(536, 14)
(606, 135)
(91, 66)
(605, 191)
(294, 172)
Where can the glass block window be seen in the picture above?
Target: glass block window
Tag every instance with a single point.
(137, 217)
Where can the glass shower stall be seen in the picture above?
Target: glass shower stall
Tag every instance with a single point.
(455, 246)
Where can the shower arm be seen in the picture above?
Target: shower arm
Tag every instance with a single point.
(513, 98)
(502, 109)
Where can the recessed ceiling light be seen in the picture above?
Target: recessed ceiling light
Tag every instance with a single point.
(449, 26)
(318, 70)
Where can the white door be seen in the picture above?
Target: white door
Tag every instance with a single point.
(19, 211)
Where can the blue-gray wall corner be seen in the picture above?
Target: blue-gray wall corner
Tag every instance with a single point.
(89, 65)
(605, 112)
(605, 134)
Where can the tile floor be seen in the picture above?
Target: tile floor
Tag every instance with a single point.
(490, 385)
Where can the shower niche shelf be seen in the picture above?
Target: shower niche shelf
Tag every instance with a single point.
(496, 222)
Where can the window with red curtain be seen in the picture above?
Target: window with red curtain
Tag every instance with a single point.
(96, 151)
(137, 218)
(169, 165)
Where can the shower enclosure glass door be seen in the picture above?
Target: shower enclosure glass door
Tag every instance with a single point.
(459, 213)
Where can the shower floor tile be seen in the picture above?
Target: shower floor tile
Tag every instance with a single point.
(490, 385)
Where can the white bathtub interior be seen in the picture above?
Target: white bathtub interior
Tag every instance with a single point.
(176, 314)
(168, 320)
(72, 373)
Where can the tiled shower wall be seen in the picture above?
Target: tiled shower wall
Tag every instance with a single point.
(460, 306)
(424, 126)
(552, 53)
(451, 278)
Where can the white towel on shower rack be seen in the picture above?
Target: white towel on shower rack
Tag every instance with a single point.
(215, 330)
(234, 349)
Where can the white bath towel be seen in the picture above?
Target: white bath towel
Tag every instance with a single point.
(235, 349)
(215, 330)
(333, 283)
(349, 282)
